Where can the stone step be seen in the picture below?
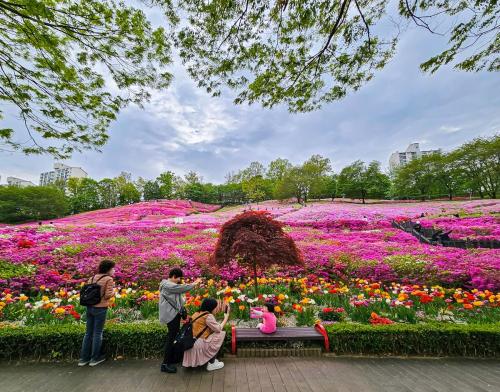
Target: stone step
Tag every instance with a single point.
(279, 352)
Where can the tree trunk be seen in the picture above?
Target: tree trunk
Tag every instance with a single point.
(256, 281)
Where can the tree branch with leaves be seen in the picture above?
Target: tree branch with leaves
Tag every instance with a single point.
(67, 67)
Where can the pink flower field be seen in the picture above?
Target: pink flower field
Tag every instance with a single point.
(338, 240)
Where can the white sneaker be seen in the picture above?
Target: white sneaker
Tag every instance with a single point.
(215, 366)
(83, 363)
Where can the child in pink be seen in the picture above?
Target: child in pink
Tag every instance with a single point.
(268, 324)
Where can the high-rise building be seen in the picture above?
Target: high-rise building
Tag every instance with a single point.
(14, 181)
(61, 172)
(412, 152)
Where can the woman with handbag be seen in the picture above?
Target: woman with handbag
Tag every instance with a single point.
(172, 310)
(210, 336)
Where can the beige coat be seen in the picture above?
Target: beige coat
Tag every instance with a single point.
(107, 289)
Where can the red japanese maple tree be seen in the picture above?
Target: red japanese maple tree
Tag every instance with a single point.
(257, 241)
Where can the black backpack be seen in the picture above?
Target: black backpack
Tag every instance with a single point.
(185, 339)
(90, 294)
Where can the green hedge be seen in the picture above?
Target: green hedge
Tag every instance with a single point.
(479, 340)
(147, 340)
(64, 341)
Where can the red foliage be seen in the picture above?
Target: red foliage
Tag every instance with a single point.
(257, 240)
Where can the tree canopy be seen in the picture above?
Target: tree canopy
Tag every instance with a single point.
(67, 67)
(31, 203)
(257, 241)
(360, 181)
(304, 53)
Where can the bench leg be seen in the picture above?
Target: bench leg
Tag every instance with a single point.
(323, 332)
(233, 339)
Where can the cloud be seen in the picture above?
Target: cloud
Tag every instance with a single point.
(184, 128)
(196, 122)
(449, 129)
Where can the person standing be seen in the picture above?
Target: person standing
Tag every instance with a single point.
(171, 306)
(96, 316)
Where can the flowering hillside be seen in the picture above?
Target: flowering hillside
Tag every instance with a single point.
(357, 267)
(338, 240)
(147, 212)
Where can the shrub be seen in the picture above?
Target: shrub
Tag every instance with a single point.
(416, 339)
(255, 240)
(146, 340)
(9, 270)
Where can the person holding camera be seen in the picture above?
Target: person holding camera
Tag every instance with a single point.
(171, 306)
(210, 336)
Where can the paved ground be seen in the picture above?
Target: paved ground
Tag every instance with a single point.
(261, 374)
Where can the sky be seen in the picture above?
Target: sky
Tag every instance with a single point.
(184, 129)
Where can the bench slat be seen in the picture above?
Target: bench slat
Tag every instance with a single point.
(292, 333)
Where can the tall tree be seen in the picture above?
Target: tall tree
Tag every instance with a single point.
(277, 169)
(127, 191)
(109, 194)
(31, 203)
(151, 191)
(83, 194)
(415, 179)
(446, 172)
(479, 161)
(257, 188)
(304, 181)
(255, 169)
(68, 66)
(360, 181)
(166, 182)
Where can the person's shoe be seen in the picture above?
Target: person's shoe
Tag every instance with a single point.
(168, 368)
(83, 363)
(216, 365)
(95, 363)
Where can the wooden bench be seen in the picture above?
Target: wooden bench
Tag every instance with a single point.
(317, 332)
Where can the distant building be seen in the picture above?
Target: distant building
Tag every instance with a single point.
(14, 181)
(412, 152)
(61, 172)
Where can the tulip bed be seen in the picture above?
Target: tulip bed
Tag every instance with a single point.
(358, 270)
(299, 301)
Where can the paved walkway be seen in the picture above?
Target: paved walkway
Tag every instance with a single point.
(261, 374)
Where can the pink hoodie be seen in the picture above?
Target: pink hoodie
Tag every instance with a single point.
(269, 321)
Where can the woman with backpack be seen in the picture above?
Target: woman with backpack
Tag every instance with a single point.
(209, 336)
(96, 295)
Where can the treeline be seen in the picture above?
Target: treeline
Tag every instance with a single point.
(472, 169)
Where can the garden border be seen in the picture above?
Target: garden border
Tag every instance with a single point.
(146, 340)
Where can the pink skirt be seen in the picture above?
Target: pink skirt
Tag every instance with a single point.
(203, 350)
